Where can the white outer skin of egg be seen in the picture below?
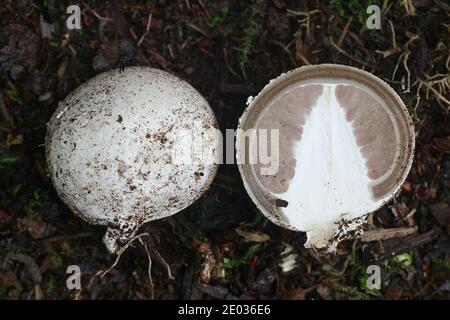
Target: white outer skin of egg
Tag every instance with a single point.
(118, 149)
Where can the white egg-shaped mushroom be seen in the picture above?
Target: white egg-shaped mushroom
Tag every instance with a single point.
(131, 146)
(342, 146)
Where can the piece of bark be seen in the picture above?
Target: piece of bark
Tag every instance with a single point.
(384, 234)
(30, 265)
(394, 247)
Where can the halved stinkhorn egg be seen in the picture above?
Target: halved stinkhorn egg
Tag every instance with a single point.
(131, 146)
(343, 148)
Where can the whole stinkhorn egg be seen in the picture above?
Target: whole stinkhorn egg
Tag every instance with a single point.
(112, 144)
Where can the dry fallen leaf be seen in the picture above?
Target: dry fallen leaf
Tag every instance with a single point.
(443, 144)
(5, 217)
(298, 294)
(252, 236)
(441, 212)
(210, 268)
(10, 285)
(36, 227)
(324, 290)
(420, 3)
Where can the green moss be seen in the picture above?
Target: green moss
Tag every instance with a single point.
(363, 286)
(5, 161)
(57, 260)
(442, 264)
(244, 24)
(351, 292)
(260, 220)
(51, 288)
(34, 206)
(223, 20)
(15, 96)
(356, 8)
(232, 263)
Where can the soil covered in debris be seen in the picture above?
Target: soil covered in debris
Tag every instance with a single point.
(221, 247)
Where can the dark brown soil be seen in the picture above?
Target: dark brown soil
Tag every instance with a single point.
(221, 247)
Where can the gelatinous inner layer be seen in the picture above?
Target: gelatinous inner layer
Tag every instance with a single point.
(337, 142)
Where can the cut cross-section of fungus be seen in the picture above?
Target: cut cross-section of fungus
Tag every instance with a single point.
(112, 148)
(345, 147)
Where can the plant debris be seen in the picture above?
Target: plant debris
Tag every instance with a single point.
(227, 50)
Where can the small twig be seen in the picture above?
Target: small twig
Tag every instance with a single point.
(95, 13)
(147, 29)
(409, 216)
(285, 49)
(169, 47)
(447, 63)
(209, 54)
(344, 32)
(358, 41)
(225, 58)
(133, 34)
(4, 111)
(188, 5)
(394, 42)
(185, 43)
(298, 49)
(204, 9)
(302, 13)
(198, 29)
(364, 63)
(391, 81)
(68, 237)
(303, 58)
(395, 49)
(158, 58)
(307, 19)
(409, 7)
